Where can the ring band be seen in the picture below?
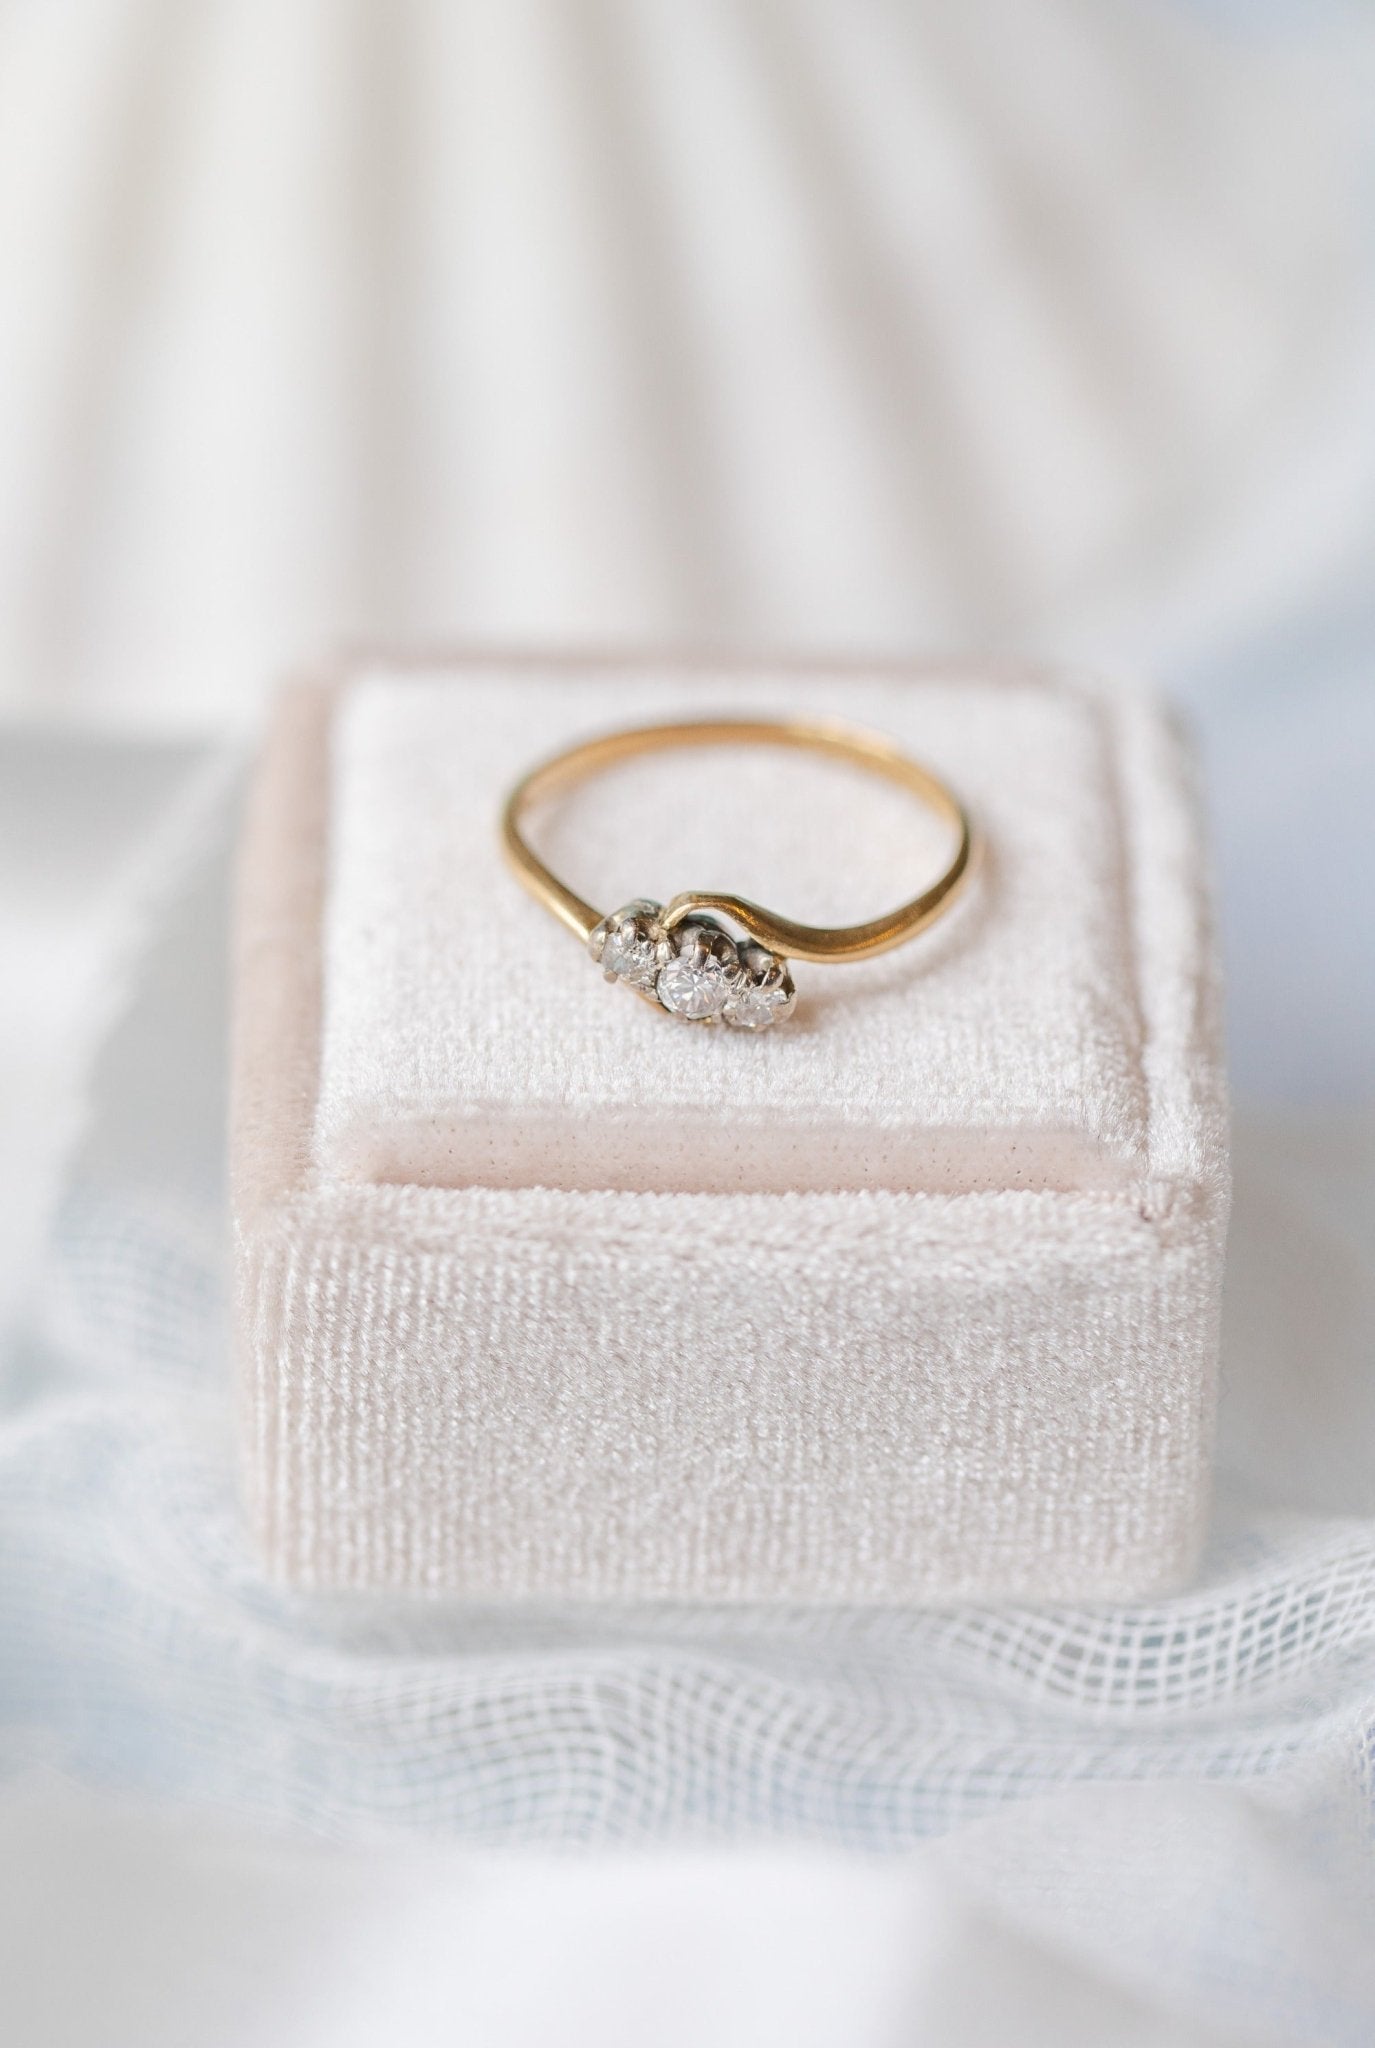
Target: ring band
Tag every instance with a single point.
(677, 955)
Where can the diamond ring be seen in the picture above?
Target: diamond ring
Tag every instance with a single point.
(680, 956)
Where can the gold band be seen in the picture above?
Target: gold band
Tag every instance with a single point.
(766, 928)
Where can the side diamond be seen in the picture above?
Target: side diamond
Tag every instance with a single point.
(629, 945)
(764, 995)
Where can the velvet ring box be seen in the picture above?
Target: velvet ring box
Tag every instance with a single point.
(544, 1295)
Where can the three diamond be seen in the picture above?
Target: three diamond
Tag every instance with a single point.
(697, 971)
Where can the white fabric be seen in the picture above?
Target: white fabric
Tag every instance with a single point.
(74, 917)
(465, 1041)
(1172, 1797)
(210, 1934)
(647, 320)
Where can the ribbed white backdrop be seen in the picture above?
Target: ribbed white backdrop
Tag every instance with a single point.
(786, 321)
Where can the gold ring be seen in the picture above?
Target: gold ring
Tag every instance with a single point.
(677, 955)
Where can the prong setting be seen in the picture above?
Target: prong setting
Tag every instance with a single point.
(697, 972)
(764, 995)
(631, 945)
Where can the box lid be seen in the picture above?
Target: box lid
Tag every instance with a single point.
(467, 1040)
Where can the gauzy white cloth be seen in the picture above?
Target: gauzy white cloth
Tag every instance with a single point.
(1169, 1800)
(199, 1929)
(916, 1297)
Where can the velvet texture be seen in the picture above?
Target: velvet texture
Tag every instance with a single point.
(543, 1295)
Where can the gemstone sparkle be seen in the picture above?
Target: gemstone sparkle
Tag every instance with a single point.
(698, 981)
(693, 988)
(764, 994)
(629, 945)
(697, 971)
(630, 955)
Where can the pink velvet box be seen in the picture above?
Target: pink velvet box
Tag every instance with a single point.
(541, 1295)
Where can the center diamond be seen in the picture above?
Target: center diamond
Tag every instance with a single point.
(697, 971)
(702, 975)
